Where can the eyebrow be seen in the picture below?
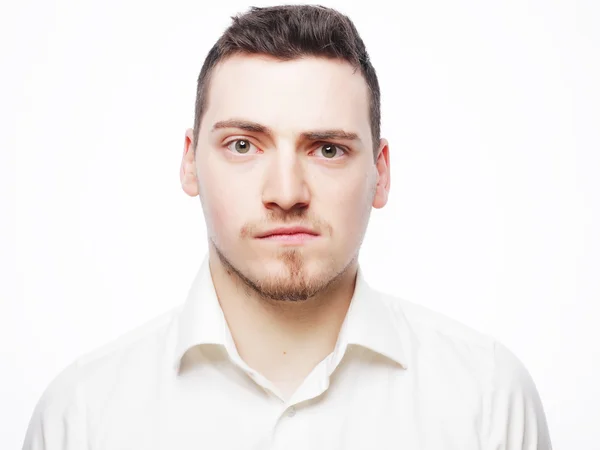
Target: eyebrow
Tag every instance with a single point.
(315, 135)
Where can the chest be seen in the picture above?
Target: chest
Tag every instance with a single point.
(383, 409)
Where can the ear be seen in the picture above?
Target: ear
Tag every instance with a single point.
(187, 173)
(382, 165)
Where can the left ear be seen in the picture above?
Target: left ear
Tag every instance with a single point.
(382, 165)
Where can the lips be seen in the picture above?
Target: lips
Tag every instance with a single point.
(288, 231)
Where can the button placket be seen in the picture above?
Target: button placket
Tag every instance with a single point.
(291, 411)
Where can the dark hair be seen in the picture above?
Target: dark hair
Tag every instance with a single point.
(289, 32)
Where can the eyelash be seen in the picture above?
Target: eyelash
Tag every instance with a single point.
(321, 144)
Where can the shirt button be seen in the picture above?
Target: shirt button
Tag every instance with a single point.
(291, 412)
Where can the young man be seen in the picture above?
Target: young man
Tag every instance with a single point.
(281, 343)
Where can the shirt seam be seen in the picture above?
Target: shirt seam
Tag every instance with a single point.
(487, 398)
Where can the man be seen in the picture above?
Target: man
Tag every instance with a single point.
(281, 343)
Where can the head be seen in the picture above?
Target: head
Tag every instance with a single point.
(286, 133)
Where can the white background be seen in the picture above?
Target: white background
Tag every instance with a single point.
(492, 113)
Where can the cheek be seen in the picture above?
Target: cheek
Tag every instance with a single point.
(223, 204)
(220, 218)
(354, 201)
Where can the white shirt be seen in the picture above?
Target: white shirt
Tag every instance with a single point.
(400, 377)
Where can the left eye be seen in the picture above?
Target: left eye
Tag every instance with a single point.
(329, 150)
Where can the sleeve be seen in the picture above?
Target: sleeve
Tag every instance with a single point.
(515, 418)
(57, 422)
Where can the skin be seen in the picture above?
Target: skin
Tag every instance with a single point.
(285, 304)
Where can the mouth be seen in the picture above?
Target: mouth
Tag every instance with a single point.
(290, 238)
(291, 235)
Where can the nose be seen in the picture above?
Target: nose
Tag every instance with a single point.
(285, 184)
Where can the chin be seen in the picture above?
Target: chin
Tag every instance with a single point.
(288, 274)
(288, 279)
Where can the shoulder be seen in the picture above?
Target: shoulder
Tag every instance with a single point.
(496, 379)
(434, 332)
(149, 338)
(430, 327)
(514, 408)
(59, 413)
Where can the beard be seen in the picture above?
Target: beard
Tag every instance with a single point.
(295, 285)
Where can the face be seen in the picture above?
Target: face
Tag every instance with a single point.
(286, 144)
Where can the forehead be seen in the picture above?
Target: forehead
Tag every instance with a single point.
(289, 96)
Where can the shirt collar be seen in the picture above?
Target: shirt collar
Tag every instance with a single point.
(369, 322)
(201, 320)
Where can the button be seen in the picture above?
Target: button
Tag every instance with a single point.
(292, 411)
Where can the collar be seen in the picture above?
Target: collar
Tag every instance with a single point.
(369, 322)
(201, 320)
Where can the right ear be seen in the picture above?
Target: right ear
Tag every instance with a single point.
(187, 173)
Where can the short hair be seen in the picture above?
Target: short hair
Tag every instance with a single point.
(288, 32)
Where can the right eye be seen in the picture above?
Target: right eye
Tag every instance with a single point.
(239, 146)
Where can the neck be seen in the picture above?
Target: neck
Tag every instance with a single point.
(283, 340)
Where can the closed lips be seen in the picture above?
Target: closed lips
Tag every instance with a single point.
(291, 230)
